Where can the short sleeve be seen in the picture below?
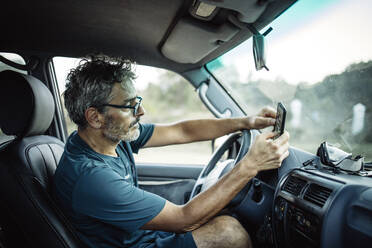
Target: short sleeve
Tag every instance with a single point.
(146, 131)
(103, 194)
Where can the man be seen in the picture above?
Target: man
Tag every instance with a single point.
(96, 183)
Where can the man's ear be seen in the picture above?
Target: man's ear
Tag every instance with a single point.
(94, 118)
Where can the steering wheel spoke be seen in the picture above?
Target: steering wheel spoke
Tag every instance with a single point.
(216, 168)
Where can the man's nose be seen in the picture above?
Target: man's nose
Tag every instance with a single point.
(141, 111)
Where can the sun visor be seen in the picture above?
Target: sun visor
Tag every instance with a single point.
(191, 40)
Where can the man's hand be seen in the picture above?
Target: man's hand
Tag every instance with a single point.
(265, 118)
(266, 153)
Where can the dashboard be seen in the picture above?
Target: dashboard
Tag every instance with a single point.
(304, 204)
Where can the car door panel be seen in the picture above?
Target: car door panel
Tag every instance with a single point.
(173, 182)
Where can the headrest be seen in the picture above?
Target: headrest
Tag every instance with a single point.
(26, 105)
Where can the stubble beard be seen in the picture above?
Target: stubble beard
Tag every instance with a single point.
(115, 132)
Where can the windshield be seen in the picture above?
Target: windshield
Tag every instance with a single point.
(319, 56)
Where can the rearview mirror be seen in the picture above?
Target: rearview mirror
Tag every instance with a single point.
(259, 52)
(259, 49)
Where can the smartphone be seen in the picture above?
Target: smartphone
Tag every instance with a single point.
(281, 114)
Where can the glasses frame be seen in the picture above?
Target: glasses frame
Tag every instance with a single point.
(135, 107)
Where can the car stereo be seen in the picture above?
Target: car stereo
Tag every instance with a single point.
(296, 227)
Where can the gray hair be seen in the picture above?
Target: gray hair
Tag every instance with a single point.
(90, 84)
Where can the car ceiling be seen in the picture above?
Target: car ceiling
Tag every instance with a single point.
(135, 29)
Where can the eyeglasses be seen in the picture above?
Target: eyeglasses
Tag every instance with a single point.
(135, 107)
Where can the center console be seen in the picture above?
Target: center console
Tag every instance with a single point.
(300, 203)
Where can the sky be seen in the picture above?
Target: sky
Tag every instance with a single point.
(312, 40)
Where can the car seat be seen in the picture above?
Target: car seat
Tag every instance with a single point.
(28, 215)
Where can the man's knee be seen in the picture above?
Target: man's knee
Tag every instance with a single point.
(233, 231)
(222, 231)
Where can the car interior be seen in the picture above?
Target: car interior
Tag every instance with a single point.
(317, 198)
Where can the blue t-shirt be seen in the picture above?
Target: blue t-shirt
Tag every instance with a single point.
(100, 196)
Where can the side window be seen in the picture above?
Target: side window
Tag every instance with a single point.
(62, 67)
(18, 59)
(167, 97)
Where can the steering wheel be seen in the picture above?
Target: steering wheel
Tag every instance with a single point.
(215, 169)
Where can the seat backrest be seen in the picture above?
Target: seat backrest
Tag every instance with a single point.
(28, 214)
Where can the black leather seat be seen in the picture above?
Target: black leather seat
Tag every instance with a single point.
(28, 215)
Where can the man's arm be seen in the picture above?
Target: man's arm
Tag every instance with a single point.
(207, 129)
(265, 154)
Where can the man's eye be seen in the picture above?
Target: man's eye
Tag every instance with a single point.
(132, 104)
(129, 104)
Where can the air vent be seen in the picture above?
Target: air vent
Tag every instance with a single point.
(294, 185)
(317, 194)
